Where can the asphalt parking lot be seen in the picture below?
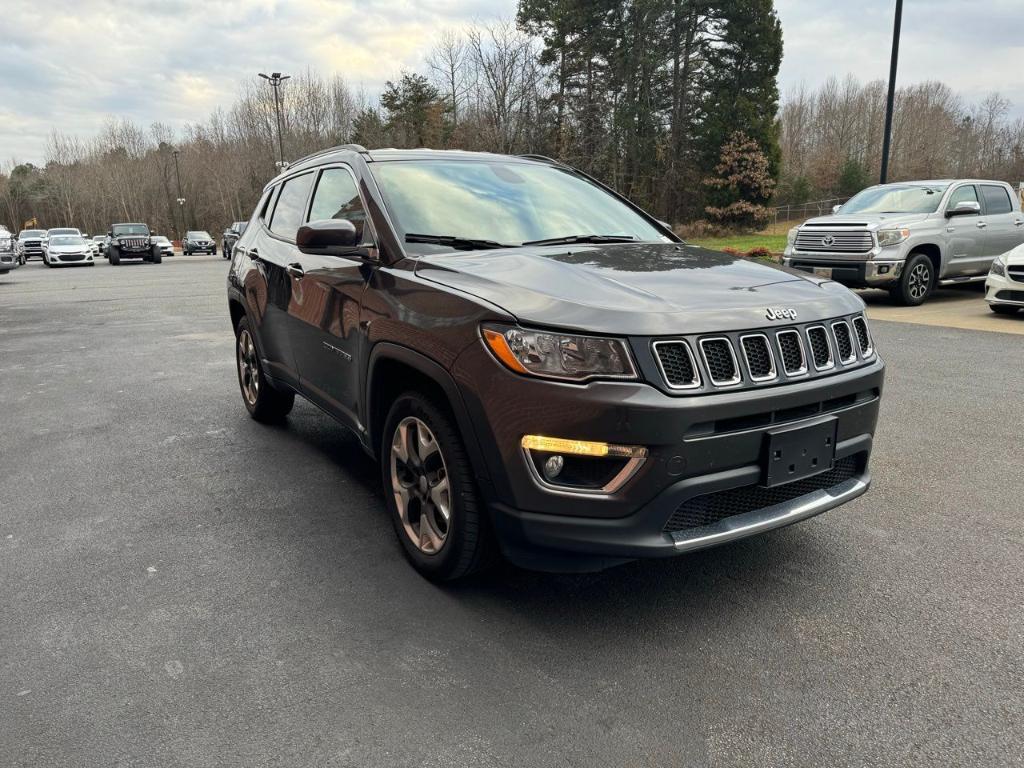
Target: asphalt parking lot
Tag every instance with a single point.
(185, 587)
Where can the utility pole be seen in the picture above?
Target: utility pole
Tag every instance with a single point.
(275, 79)
(892, 91)
(181, 199)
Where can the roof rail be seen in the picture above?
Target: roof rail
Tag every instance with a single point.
(542, 158)
(350, 147)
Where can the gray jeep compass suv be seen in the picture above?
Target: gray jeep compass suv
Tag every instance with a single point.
(540, 368)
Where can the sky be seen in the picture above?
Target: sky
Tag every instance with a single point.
(73, 64)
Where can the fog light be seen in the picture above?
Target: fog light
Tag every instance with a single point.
(553, 466)
(883, 269)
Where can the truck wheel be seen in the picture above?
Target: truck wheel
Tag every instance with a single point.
(157, 257)
(262, 400)
(1003, 309)
(114, 256)
(916, 282)
(430, 491)
(213, 250)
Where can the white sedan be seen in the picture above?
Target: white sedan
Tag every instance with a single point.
(62, 250)
(1004, 288)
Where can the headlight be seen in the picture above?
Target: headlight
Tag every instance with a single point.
(999, 266)
(892, 236)
(565, 356)
(791, 236)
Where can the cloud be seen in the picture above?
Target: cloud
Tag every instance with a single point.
(79, 63)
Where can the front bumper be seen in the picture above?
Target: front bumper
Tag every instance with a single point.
(876, 273)
(697, 446)
(63, 259)
(1002, 290)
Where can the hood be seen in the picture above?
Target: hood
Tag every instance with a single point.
(69, 248)
(870, 220)
(636, 288)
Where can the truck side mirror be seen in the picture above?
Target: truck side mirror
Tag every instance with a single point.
(964, 208)
(835, 208)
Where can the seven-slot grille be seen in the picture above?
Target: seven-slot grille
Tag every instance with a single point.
(677, 364)
(133, 242)
(763, 357)
(721, 361)
(834, 240)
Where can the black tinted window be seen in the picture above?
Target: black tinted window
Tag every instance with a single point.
(997, 200)
(337, 197)
(291, 206)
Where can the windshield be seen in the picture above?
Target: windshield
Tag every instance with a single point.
(130, 229)
(198, 236)
(507, 202)
(30, 233)
(67, 240)
(893, 198)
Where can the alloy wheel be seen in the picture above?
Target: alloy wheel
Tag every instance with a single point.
(919, 281)
(248, 368)
(419, 481)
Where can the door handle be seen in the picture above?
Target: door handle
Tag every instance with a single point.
(295, 269)
(981, 225)
(1019, 223)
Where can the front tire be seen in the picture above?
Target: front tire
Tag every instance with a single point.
(158, 257)
(114, 256)
(430, 491)
(1003, 309)
(262, 400)
(916, 283)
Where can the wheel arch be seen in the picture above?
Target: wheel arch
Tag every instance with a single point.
(393, 369)
(934, 254)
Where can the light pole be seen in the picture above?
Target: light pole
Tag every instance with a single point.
(181, 199)
(892, 91)
(275, 79)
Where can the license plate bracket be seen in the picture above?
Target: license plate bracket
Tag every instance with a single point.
(799, 452)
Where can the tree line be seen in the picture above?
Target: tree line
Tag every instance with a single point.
(673, 102)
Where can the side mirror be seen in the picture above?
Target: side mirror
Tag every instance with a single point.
(328, 237)
(110, 233)
(835, 208)
(964, 208)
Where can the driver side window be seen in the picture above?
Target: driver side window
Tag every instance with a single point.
(336, 197)
(966, 193)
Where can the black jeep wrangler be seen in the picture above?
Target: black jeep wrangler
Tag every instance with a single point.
(131, 241)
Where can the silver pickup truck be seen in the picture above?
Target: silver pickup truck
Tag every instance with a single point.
(911, 236)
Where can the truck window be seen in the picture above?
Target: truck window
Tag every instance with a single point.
(996, 199)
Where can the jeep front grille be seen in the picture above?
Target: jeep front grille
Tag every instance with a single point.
(713, 507)
(677, 364)
(721, 361)
(812, 240)
(757, 353)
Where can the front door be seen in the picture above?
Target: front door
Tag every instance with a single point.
(326, 300)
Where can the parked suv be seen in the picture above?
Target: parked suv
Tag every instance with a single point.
(8, 258)
(131, 241)
(911, 236)
(541, 368)
(230, 237)
(198, 242)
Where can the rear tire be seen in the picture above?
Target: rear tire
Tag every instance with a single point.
(430, 492)
(1003, 309)
(916, 283)
(264, 402)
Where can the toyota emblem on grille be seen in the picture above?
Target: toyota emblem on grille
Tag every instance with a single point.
(827, 240)
(780, 313)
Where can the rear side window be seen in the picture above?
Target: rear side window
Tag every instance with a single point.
(337, 197)
(966, 193)
(291, 206)
(997, 200)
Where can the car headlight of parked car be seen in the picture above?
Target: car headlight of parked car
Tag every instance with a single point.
(888, 237)
(569, 357)
(791, 236)
(999, 266)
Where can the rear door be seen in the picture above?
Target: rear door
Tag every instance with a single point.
(272, 249)
(1003, 232)
(964, 234)
(326, 301)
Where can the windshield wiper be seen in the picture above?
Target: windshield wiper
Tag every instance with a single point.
(570, 239)
(458, 243)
